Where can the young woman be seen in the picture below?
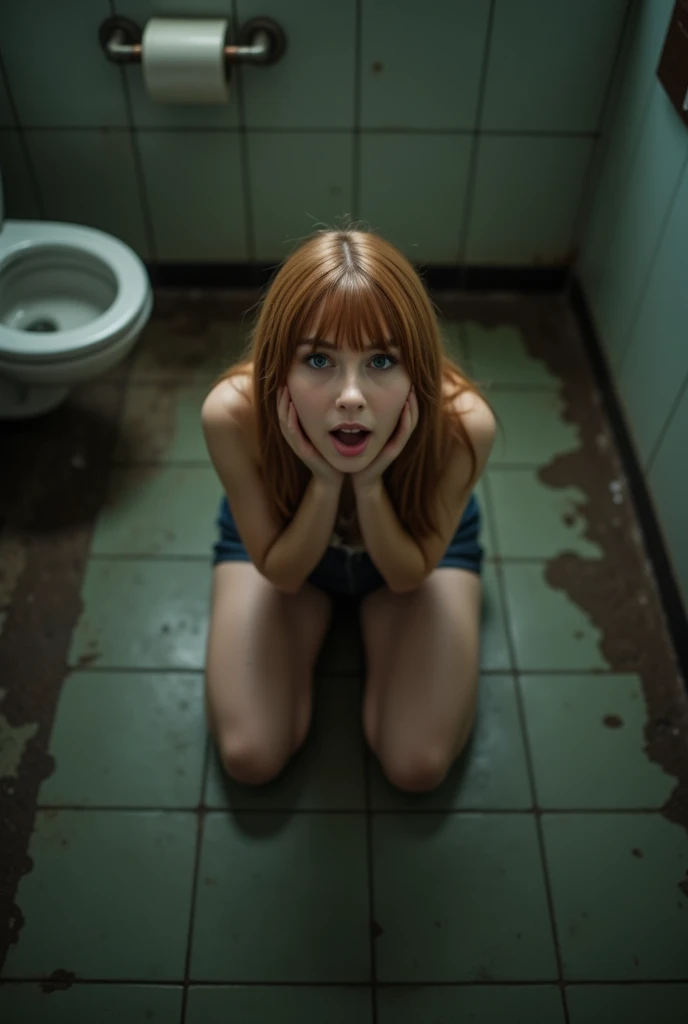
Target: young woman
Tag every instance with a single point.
(348, 444)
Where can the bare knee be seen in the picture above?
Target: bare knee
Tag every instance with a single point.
(416, 770)
(249, 758)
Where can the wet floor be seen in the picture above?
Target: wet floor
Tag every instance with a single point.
(546, 880)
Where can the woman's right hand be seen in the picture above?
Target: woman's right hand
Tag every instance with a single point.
(299, 443)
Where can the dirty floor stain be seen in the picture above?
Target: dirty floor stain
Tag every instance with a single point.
(546, 880)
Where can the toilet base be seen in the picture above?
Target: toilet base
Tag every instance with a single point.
(19, 401)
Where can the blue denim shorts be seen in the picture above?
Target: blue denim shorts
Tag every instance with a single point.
(353, 573)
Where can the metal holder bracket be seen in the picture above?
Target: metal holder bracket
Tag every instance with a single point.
(261, 41)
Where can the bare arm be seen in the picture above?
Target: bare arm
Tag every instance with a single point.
(284, 556)
(299, 548)
(402, 561)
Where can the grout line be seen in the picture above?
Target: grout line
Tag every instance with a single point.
(665, 429)
(356, 137)
(145, 556)
(620, 191)
(142, 184)
(248, 204)
(536, 810)
(639, 299)
(464, 230)
(194, 885)
(432, 983)
(18, 129)
(341, 673)
(280, 809)
(601, 146)
(301, 130)
(372, 938)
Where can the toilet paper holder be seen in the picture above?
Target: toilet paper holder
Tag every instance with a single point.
(261, 41)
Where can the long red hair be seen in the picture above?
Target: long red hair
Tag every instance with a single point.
(369, 287)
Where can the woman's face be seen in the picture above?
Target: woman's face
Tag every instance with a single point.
(329, 387)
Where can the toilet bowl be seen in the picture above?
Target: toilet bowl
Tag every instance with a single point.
(73, 301)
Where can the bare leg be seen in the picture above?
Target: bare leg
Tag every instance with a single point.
(262, 648)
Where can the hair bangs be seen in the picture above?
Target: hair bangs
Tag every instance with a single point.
(346, 314)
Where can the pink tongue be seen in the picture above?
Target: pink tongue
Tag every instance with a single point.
(350, 439)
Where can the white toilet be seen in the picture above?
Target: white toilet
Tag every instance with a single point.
(73, 301)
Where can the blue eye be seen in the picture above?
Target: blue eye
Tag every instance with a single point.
(321, 355)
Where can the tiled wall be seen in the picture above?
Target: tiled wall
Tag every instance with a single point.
(462, 130)
(634, 270)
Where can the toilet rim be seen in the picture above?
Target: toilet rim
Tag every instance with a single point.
(131, 282)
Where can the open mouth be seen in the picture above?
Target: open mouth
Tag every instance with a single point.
(352, 437)
(350, 443)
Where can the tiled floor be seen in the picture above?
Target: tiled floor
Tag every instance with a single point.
(541, 883)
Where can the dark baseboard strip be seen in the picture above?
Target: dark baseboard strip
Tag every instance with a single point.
(677, 620)
(436, 277)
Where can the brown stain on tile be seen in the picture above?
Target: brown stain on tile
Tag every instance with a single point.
(150, 421)
(618, 592)
(50, 502)
(88, 659)
(59, 981)
(190, 331)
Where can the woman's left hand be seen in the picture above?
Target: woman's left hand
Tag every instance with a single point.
(408, 422)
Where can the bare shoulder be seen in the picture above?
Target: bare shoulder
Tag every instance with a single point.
(479, 422)
(229, 407)
(477, 417)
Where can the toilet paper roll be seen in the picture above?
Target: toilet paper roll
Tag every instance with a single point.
(183, 60)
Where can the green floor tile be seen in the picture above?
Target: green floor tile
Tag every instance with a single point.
(162, 423)
(620, 911)
(282, 898)
(485, 1004)
(494, 646)
(531, 429)
(550, 632)
(24, 1003)
(536, 521)
(603, 716)
(189, 341)
(109, 896)
(632, 1004)
(128, 739)
(140, 613)
(491, 774)
(460, 897)
(159, 510)
(326, 774)
(223, 1004)
(498, 355)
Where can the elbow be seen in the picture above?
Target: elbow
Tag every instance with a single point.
(284, 586)
(406, 587)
